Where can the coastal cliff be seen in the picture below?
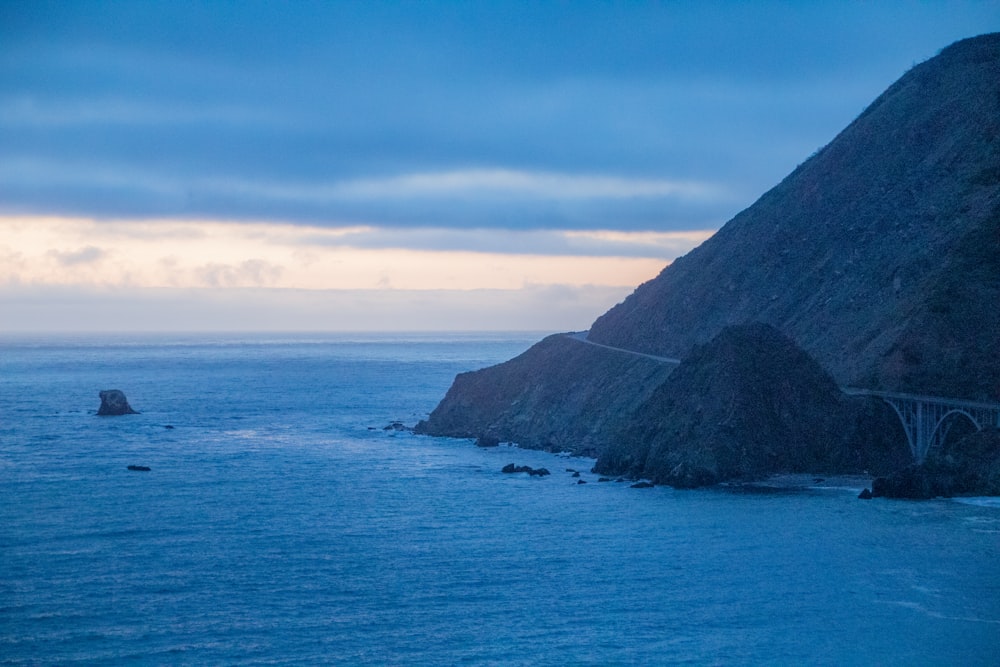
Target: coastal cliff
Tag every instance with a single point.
(560, 395)
(877, 262)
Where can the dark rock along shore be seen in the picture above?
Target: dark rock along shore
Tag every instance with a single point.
(879, 257)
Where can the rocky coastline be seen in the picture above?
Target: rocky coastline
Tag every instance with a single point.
(875, 264)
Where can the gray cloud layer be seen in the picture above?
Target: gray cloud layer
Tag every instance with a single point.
(359, 113)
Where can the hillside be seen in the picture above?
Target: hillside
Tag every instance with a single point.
(560, 395)
(746, 404)
(857, 254)
(879, 257)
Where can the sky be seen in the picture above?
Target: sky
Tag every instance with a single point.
(406, 166)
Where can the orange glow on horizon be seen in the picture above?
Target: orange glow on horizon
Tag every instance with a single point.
(211, 254)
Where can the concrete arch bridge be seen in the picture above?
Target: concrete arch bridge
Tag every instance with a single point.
(927, 419)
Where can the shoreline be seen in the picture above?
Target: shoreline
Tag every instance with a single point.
(854, 483)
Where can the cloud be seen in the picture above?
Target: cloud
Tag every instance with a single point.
(120, 110)
(514, 183)
(248, 273)
(462, 115)
(469, 198)
(68, 309)
(457, 184)
(662, 246)
(210, 254)
(87, 255)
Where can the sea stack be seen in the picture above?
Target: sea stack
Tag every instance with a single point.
(114, 403)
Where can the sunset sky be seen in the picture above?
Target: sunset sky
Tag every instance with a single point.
(361, 166)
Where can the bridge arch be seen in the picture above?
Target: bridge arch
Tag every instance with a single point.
(940, 432)
(927, 419)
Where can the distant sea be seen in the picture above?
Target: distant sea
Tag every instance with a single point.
(281, 524)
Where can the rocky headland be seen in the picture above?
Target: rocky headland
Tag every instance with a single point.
(874, 265)
(745, 405)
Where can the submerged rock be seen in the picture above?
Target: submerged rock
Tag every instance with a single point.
(114, 403)
(396, 426)
(139, 468)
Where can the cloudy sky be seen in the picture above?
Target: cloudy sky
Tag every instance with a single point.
(406, 166)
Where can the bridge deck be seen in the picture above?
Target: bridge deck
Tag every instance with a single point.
(927, 400)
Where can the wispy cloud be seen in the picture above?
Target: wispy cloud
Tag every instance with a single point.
(456, 184)
(118, 110)
(86, 255)
(101, 309)
(511, 183)
(662, 246)
(479, 198)
(193, 254)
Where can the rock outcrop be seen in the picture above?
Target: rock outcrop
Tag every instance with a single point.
(560, 395)
(969, 467)
(510, 468)
(749, 403)
(114, 403)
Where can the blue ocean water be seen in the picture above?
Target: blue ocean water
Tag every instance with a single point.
(281, 524)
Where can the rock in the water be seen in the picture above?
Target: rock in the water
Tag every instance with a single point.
(534, 472)
(865, 494)
(487, 440)
(114, 403)
(396, 426)
(139, 468)
(642, 485)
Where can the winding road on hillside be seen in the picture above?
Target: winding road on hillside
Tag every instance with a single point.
(582, 337)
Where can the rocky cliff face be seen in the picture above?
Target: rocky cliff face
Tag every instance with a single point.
(746, 404)
(879, 257)
(969, 467)
(560, 395)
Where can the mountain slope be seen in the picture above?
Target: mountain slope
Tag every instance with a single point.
(560, 395)
(844, 255)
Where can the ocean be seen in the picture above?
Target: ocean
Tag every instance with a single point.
(280, 523)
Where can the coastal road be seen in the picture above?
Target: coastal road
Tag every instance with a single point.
(582, 337)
